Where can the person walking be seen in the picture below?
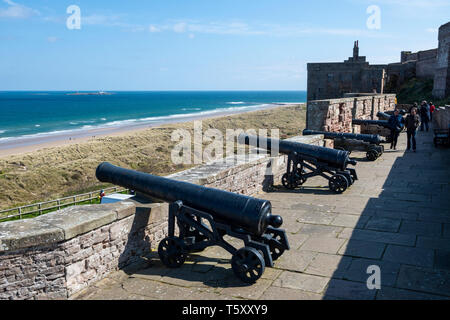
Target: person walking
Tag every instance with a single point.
(412, 122)
(396, 123)
(424, 115)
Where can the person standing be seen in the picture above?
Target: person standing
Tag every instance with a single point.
(412, 122)
(432, 108)
(395, 122)
(424, 115)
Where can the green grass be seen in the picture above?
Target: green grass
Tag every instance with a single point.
(417, 90)
(44, 211)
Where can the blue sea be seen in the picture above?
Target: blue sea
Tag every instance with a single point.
(34, 114)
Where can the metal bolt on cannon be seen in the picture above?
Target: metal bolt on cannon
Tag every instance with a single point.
(191, 205)
(306, 161)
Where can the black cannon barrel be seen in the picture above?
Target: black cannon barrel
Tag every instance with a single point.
(251, 214)
(370, 138)
(382, 123)
(334, 158)
(383, 115)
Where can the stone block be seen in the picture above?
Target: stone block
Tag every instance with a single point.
(20, 234)
(300, 281)
(358, 271)
(409, 255)
(383, 224)
(349, 290)
(363, 249)
(328, 265)
(424, 280)
(324, 245)
(430, 229)
(78, 220)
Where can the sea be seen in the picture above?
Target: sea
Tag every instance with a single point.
(44, 113)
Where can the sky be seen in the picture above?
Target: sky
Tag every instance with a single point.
(201, 44)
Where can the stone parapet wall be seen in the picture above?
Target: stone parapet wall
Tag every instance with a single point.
(335, 115)
(58, 254)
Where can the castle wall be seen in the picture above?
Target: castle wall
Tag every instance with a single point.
(333, 80)
(335, 115)
(441, 87)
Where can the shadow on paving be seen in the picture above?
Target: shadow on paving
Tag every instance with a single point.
(405, 232)
(197, 271)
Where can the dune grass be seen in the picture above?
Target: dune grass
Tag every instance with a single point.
(62, 171)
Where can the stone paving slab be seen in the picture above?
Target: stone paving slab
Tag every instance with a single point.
(396, 217)
(409, 255)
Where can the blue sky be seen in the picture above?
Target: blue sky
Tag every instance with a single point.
(200, 44)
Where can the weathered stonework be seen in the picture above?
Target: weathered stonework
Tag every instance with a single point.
(58, 254)
(335, 115)
(334, 80)
(441, 87)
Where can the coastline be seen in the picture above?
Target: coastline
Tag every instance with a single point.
(55, 169)
(23, 145)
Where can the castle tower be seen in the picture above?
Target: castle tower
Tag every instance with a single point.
(356, 51)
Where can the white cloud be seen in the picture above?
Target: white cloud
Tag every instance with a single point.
(432, 30)
(17, 11)
(52, 39)
(245, 29)
(180, 27)
(152, 28)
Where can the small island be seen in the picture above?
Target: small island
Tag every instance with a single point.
(100, 93)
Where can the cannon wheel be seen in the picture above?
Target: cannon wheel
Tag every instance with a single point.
(288, 181)
(248, 264)
(338, 183)
(171, 253)
(275, 245)
(372, 155)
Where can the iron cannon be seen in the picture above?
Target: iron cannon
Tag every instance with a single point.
(381, 123)
(383, 115)
(306, 161)
(190, 206)
(371, 143)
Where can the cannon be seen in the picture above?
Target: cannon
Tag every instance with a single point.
(381, 123)
(191, 205)
(386, 116)
(371, 143)
(383, 115)
(306, 161)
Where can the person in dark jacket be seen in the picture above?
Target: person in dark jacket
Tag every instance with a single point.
(412, 122)
(424, 115)
(395, 122)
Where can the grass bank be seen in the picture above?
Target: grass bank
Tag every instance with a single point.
(62, 171)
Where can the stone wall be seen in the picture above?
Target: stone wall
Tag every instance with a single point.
(335, 115)
(60, 253)
(441, 87)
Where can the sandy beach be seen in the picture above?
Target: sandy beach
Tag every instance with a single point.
(23, 145)
(55, 167)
